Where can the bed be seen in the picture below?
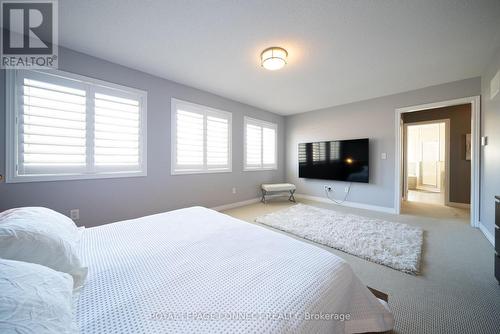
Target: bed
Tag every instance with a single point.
(196, 270)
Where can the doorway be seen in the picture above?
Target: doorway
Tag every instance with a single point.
(472, 156)
(426, 161)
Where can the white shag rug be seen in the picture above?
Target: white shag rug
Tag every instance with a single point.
(395, 245)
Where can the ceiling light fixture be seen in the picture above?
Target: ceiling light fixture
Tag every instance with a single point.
(273, 58)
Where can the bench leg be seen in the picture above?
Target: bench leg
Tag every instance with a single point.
(291, 198)
(263, 199)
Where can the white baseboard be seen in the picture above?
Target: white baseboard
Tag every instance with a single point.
(236, 204)
(481, 227)
(486, 233)
(348, 204)
(458, 205)
(309, 197)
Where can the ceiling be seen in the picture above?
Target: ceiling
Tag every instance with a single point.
(340, 51)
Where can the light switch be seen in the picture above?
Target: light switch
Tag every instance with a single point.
(383, 156)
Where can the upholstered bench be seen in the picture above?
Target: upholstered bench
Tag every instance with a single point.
(289, 188)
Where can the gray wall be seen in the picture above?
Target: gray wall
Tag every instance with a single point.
(371, 118)
(460, 125)
(107, 200)
(490, 158)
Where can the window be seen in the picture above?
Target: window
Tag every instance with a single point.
(62, 126)
(201, 139)
(260, 144)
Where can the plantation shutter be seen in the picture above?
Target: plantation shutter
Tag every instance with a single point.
(52, 126)
(217, 141)
(62, 126)
(253, 145)
(189, 140)
(117, 127)
(260, 144)
(268, 146)
(201, 138)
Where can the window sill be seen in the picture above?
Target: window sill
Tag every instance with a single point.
(72, 177)
(259, 169)
(191, 172)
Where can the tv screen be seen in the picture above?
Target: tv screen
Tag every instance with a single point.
(340, 160)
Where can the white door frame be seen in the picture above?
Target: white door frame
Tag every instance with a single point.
(446, 122)
(475, 103)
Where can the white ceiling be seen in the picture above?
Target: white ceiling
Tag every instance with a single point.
(340, 51)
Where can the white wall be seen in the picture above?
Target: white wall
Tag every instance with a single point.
(373, 119)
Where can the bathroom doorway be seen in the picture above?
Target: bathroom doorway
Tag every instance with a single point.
(426, 166)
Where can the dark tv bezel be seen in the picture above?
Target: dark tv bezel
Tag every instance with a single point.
(338, 180)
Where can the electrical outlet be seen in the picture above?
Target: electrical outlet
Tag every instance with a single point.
(74, 214)
(234, 190)
(327, 188)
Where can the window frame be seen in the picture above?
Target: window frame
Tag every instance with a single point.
(174, 170)
(90, 171)
(263, 124)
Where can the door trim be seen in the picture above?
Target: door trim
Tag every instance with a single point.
(475, 103)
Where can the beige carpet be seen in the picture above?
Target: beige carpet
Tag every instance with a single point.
(456, 291)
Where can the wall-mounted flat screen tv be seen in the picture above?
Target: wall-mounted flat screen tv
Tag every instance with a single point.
(340, 160)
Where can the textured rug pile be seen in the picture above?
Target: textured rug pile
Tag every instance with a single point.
(395, 245)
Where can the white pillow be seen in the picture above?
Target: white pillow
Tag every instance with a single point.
(42, 236)
(35, 299)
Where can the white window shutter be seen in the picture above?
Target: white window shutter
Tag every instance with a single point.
(217, 142)
(253, 145)
(269, 146)
(117, 127)
(201, 139)
(189, 139)
(63, 126)
(52, 127)
(260, 144)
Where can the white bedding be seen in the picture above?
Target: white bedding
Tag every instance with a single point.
(35, 299)
(198, 271)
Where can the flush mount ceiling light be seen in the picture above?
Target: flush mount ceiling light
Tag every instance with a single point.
(273, 58)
